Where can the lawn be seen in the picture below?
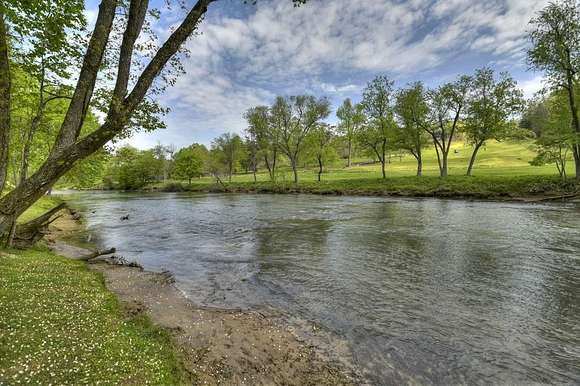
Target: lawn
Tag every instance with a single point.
(502, 169)
(60, 325)
(496, 159)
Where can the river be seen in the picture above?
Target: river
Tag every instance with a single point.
(434, 291)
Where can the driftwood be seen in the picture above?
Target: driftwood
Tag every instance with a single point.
(98, 253)
(29, 233)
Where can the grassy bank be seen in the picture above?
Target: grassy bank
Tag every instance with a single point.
(428, 186)
(502, 170)
(60, 325)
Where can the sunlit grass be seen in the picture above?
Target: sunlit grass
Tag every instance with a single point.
(60, 325)
(502, 169)
(507, 159)
(41, 206)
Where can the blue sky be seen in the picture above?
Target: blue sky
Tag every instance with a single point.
(247, 54)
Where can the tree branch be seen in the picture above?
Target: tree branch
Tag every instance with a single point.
(137, 11)
(81, 98)
(169, 48)
(4, 102)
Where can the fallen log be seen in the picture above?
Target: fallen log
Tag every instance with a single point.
(29, 233)
(98, 253)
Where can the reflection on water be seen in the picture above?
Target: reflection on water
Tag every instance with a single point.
(439, 292)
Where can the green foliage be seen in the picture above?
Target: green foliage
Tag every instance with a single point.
(413, 112)
(378, 131)
(556, 136)
(351, 118)
(131, 168)
(62, 326)
(555, 38)
(492, 107)
(86, 173)
(191, 162)
(226, 153)
(47, 35)
(295, 117)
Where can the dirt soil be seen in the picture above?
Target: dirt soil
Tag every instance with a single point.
(217, 347)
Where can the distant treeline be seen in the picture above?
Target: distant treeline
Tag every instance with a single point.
(387, 122)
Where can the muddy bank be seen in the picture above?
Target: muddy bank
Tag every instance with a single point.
(219, 346)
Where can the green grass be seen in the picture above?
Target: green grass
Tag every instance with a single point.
(40, 207)
(501, 170)
(60, 325)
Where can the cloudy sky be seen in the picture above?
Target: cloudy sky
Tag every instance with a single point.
(247, 54)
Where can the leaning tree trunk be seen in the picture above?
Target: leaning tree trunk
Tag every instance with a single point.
(4, 102)
(473, 156)
(68, 148)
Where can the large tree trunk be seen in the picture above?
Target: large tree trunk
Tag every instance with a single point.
(68, 148)
(473, 156)
(319, 168)
(4, 103)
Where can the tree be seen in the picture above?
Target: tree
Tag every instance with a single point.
(132, 168)
(263, 132)
(492, 106)
(446, 107)
(165, 154)
(5, 88)
(295, 117)
(555, 50)
(124, 103)
(251, 150)
(351, 118)
(556, 134)
(412, 110)
(189, 163)
(319, 143)
(380, 123)
(228, 150)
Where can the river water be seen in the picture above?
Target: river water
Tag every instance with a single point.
(432, 291)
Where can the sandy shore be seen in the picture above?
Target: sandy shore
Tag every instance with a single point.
(219, 347)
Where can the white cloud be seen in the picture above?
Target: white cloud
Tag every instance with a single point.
(531, 86)
(239, 63)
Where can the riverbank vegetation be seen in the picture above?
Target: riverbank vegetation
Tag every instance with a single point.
(60, 325)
